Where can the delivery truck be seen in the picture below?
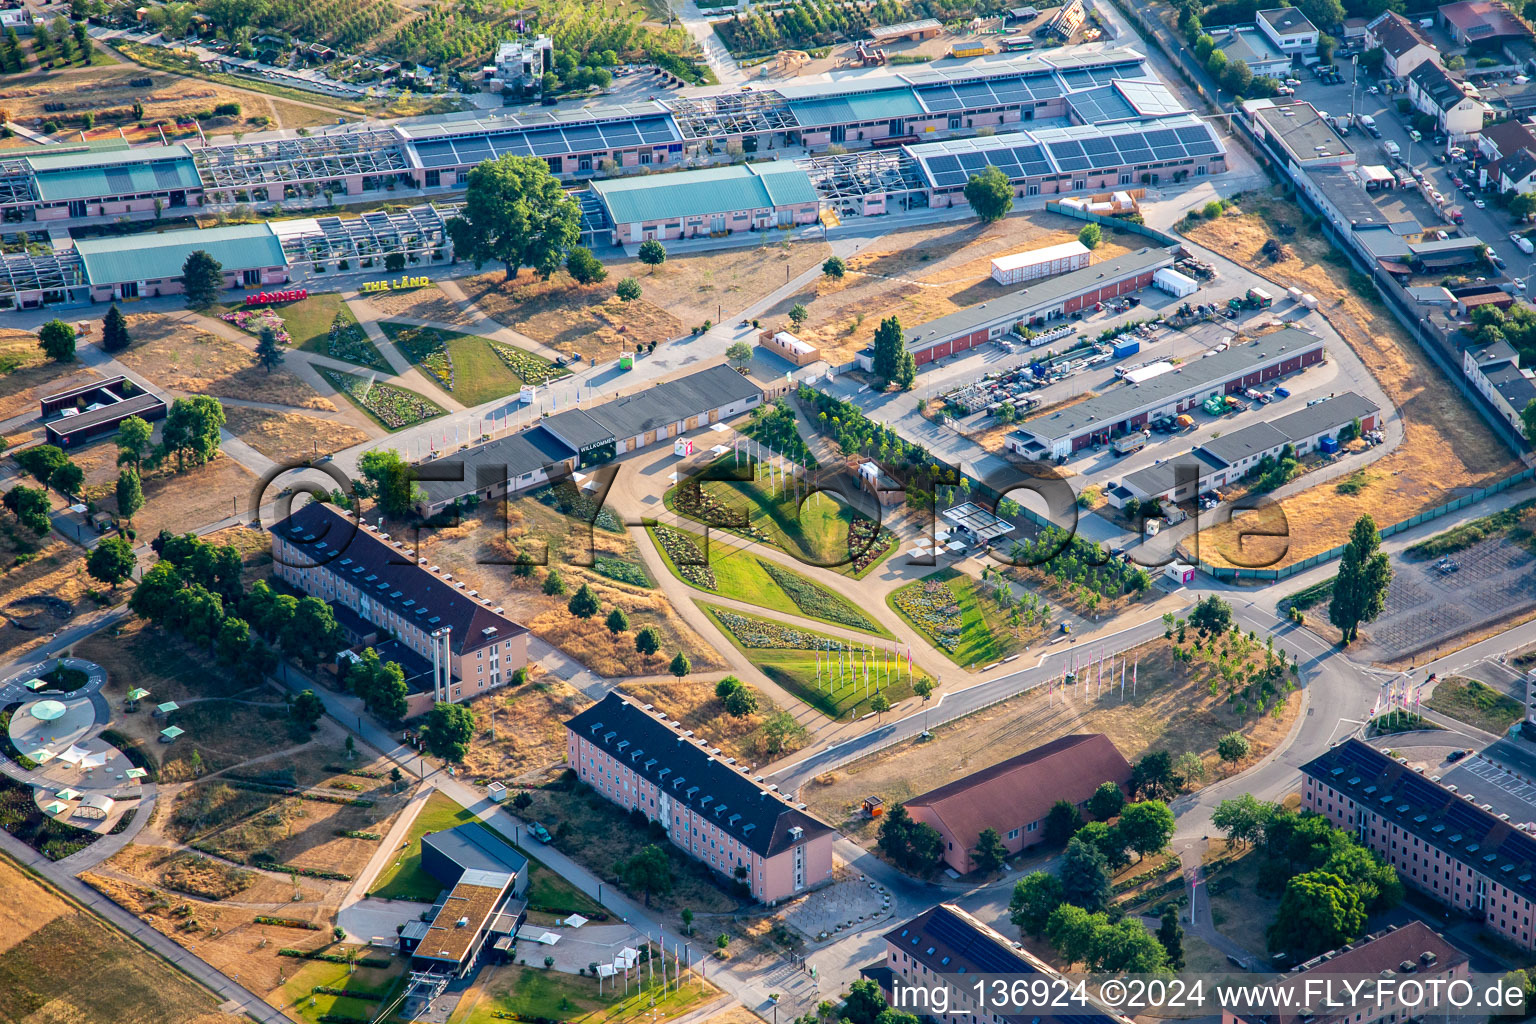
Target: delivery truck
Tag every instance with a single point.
(1133, 442)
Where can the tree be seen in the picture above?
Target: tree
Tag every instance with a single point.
(1243, 818)
(1211, 616)
(1073, 930)
(312, 635)
(990, 853)
(1084, 877)
(1364, 576)
(648, 640)
(130, 493)
(42, 461)
(726, 686)
(57, 340)
(1106, 801)
(233, 644)
(152, 597)
(68, 479)
(1090, 236)
(30, 505)
(196, 612)
(584, 603)
(1153, 777)
(649, 871)
(880, 704)
(739, 353)
(1237, 76)
(1035, 897)
(1317, 912)
(1523, 206)
(1171, 936)
(391, 481)
(269, 351)
(628, 289)
(1373, 879)
(1325, 14)
(449, 730)
(517, 213)
(191, 429)
(1232, 747)
(584, 267)
(111, 561)
(308, 709)
(133, 441)
(990, 194)
(114, 330)
(864, 1002)
(834, 267)
(680, 665)
(888, 349)
(1127, 947)
(740, 702)
(202, 277)
(1062, 822)
(554, 585)
(652, 253)
(798, 314)
(1108, 840)
(617, 621)
(1146, 827)
(906, 371)
(924, 689)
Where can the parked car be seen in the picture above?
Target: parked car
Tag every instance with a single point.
(1416, 135)
(1282, 393)
(1479, 204)
(540, 833)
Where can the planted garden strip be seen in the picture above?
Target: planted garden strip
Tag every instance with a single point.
(933, 608)
(287, 922)
(528, 367)
(394, 407)
(625, 572)
(815, 601)
(686, 557)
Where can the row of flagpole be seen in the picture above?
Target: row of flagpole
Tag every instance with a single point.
(781, 472)
(876, 665)
(682, 966)
(1398, 695)
(1088, 673)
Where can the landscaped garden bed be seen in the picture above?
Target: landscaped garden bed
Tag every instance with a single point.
(394, 407)
(813, 600)
(255, 320)
(685, 557)
(528, 367)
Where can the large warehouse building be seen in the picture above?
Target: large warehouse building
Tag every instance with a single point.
(1129, 407)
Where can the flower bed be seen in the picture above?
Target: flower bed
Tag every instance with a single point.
(867, 542)
(932, 607)
(529, 368)
(347, 340)
(424, 347)
(624, 572)
(686, 557)
(253, 320)
(579, 505)
(765, 635)
(394, 407)
(693, 501)
(813, 600)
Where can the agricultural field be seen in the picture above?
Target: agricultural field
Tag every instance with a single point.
(918, 274)
(740, 575)
(682, 293)
(1178, 706)
(109, 977)
(751, 740)
(472, 369)
(390, 406)
(171, 352)
(788, 655)
(290, 436)
(1446, 446)
(961, 617)
(481, 548)
(820, 530)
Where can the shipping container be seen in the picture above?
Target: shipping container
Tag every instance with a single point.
(1126, 348)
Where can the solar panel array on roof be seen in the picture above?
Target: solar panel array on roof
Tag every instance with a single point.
(1028, 89)
(1022, 155)
(988, 955)
(554, 141)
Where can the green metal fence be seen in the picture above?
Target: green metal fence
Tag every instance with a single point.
(1160, 237)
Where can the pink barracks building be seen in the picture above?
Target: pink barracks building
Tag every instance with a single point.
(712, 810)
(1442, 843)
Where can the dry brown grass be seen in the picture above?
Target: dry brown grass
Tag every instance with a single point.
(1446, 445)
(174, 354)
(180, 502)
(919, 274)
(290, 436)
(476, 551)
(420, 304)
(693, 702)
(1169, 712)
(58, 570)
(685, 291)
(34, 376)
(530, 729)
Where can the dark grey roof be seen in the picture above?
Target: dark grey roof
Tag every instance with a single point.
(1163, 476)
(142, 404)
(1233, 448)
(1345, 192)
(1287, 20)
(1039, 295)
(1312, 420)
(1514, 386)
(473, 847)
(653, 408)
(1396, 34)
(392, 577)
(505, 458)
(578, 429)
(1518, 166)
(692, 776)
(1120, 401)
(1439, 86)
(1458, 828)
(1301, 132)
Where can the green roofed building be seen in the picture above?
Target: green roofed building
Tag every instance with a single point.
(94, 182)
(135, 266)
(708, 202)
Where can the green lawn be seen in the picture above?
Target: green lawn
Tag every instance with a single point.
(517, 992)
(405, 880)
(309, 324)
(1475, 703)
(967, 626)
(478, 373)
(741, 576)
(366, 982)
(819, 530)
(794, 668)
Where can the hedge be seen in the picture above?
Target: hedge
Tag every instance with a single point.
(334, 958)
(288, 922)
